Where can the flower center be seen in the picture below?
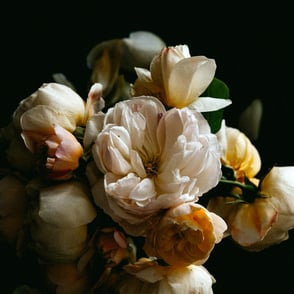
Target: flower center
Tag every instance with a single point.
(151, 167)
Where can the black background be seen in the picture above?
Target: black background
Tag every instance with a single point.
(253, 51)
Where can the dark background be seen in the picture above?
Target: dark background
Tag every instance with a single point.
(254, 56)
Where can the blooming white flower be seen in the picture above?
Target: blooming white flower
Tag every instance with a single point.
(152, 159)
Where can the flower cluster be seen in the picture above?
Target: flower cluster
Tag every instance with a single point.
(129, 189)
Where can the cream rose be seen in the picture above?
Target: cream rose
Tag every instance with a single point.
(152, 159)
(267, 219)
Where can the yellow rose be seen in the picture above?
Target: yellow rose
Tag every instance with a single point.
(239, 153)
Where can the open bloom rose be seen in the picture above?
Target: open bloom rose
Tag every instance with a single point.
(175, 77)
(185, 234)
(147, 277)
(265, 221)
(152, 159)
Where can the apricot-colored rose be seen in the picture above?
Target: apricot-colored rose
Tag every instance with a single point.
(186, 234)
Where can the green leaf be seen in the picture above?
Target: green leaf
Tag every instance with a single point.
(216, 89)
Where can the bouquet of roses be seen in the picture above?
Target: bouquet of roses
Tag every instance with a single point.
(129, 189)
